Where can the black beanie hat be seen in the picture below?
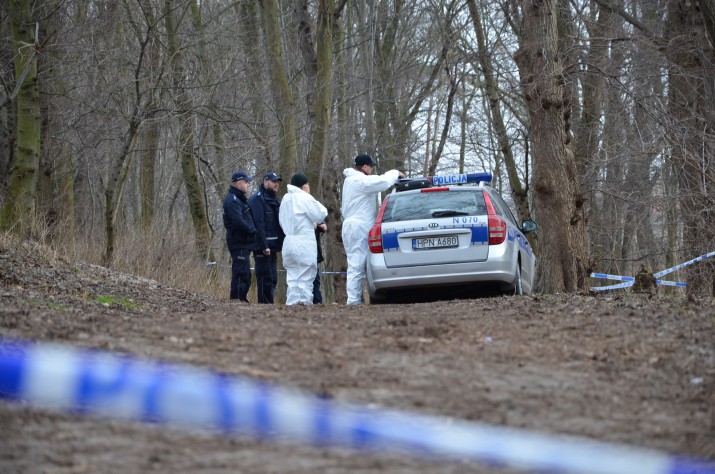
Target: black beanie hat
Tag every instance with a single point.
(364, 159)
(298, 180)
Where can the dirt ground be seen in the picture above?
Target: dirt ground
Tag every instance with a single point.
(617, 367)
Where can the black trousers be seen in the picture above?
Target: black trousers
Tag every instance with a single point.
(240, 274)
(266, 275)
(317, 296)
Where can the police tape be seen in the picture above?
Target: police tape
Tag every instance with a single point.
(215, 264)
(684, 264)
(121, 387)
(629, 280)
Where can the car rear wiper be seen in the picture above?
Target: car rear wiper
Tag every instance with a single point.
(449, 213)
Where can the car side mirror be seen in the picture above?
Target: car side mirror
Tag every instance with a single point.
(528, 226)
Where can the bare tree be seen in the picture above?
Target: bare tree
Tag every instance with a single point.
(562, 246)
(282, 93)
(519, 191)
(324, 87)
(185, 139)
(19, 207)
(691, 105)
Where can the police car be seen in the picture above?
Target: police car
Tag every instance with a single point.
(441, 234)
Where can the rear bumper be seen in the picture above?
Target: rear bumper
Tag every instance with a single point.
(498, 270)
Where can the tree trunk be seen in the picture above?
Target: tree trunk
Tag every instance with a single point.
(185, 143)
(146, 177)
(18, 211)
(115, 185)
(250, 38)
(437, 153)
(66, 196)
(207, 81)
(518, 191)
(283, 96)
(691, 105)
(562, 259)
(151, 132)
(324, 97)
(587, 132)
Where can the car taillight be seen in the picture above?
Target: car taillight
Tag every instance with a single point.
(497, 230)
(497, 225)
(374, 237)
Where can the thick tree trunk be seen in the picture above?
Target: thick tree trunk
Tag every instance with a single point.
(18, 211)
(562, 259)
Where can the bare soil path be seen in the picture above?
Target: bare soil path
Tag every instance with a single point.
(621, 368)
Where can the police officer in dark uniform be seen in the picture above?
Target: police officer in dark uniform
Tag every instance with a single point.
(240, 234)
(317, 295)
(264, 206)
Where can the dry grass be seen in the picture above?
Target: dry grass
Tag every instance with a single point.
(167, 257)
(171, 258)
(166, 254)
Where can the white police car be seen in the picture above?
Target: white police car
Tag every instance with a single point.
(446, 237)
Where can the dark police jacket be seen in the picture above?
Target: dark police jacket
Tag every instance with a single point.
(269, 234)
(238, 221)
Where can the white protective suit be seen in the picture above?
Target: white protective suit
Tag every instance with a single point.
(359, 208)
(299, 212)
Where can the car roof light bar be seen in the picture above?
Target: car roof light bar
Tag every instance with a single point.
(462, 178)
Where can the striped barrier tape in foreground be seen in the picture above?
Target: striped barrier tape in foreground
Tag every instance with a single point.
(97, 383)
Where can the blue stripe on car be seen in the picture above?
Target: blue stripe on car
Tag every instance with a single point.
(389, 241)
(480, 235)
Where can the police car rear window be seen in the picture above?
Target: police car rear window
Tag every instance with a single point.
(406, 207)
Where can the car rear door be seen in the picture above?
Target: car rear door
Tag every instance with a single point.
(435, 226)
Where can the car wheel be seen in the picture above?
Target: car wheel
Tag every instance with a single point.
(378, 298)
(518, 289)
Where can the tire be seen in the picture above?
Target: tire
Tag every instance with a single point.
(378, 298)
(518, 289)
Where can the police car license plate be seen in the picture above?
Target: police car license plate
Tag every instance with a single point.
(427, 243)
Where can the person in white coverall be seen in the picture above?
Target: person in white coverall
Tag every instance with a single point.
(359, 208)
(299, 214)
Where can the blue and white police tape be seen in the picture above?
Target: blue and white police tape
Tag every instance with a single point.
(215, 264)
(122, 387)
(629, 281)
(684, 264)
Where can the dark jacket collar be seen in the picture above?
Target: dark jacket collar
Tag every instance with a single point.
(237, 192)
